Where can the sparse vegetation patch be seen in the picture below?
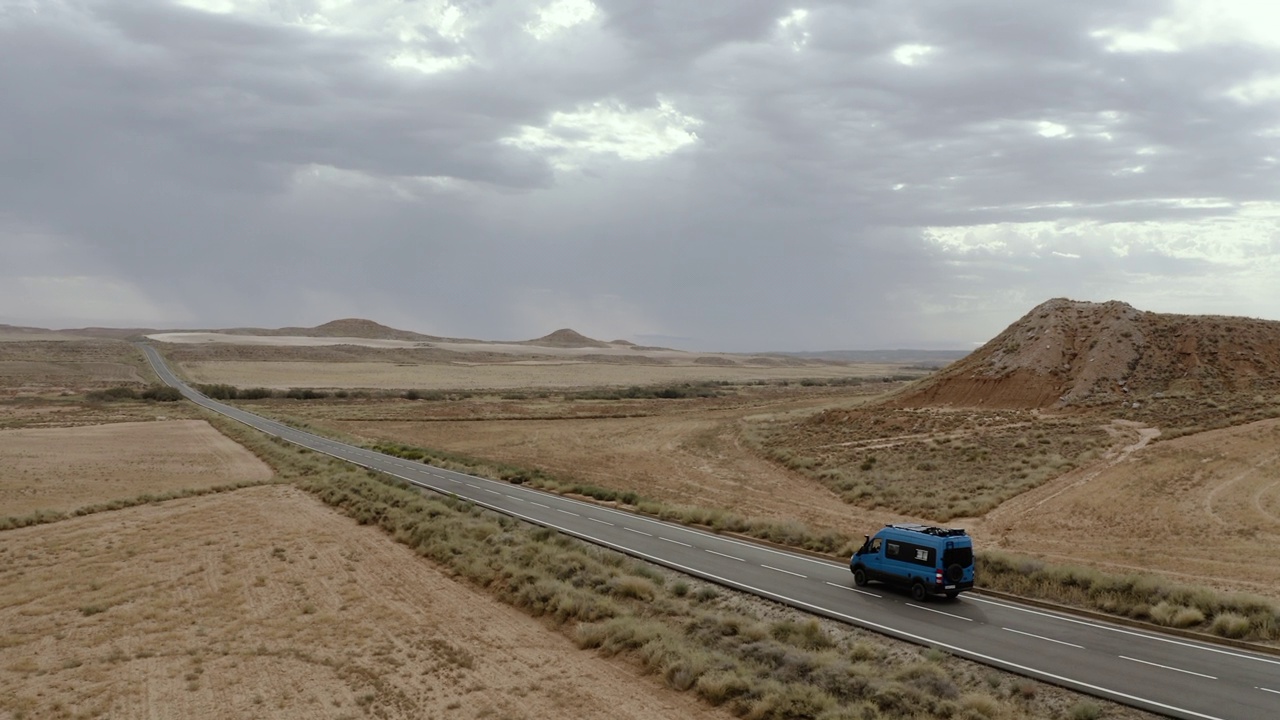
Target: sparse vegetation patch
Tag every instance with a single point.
(935, 465)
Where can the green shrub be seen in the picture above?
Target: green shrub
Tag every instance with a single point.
(720, 686)
(1230, 625)
(1085, 711)
(120, 392)
(219, 392)
(162, 393)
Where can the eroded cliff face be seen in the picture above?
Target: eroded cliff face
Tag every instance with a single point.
(1066, 353)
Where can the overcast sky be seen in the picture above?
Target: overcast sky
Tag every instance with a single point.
(734, 175)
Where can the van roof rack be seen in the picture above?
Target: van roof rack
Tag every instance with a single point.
(929, 529)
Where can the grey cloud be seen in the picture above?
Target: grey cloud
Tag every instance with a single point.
(173, 148)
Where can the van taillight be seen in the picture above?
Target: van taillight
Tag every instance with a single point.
(939, 577)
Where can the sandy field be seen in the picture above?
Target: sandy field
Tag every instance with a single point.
(1203, 509)
(1199, 509)
(34, 364)
(68, 468)
(498, 376)
(689, 452)
(264, 603)
(619, 350)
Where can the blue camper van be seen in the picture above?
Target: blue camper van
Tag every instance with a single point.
(928, 560)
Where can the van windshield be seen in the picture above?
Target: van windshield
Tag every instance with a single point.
(962, 556)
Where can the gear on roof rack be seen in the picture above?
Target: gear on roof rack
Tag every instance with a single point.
(930, 529)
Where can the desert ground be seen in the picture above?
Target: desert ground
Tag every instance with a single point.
(1201, 508)
(689, 452)
(265, 603)
(1195, 509)
(65, 469)
(514, 374)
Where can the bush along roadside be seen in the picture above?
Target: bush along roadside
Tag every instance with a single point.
(1146, 598)
(789, 533)
(692, 635)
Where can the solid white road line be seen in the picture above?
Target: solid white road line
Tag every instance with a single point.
(770, 567)
(1166, 667)
(958, 617)
(1041, 637)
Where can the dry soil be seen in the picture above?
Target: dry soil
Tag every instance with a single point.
(68, 468)
(264, 603)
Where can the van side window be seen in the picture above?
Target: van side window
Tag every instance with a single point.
(891, 550)
(920, 555)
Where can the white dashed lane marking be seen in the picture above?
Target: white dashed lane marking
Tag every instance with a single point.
(958, 617)
(1166, 667)
(713, 552)
(1041, 637)
(845, 587)
(770, 567)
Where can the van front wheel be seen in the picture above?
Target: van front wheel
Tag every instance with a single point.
(859, 577)
(917, 591)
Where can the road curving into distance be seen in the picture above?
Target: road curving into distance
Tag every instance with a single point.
(1164, 674)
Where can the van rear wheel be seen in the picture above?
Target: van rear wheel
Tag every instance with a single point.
(953, 594)
(917, 591)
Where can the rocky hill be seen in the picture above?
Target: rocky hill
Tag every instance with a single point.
(345, 327)
(566, 338)
(1067, 353)
(360, 328)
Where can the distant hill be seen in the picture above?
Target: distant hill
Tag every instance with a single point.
(22, 330)
(17, 331)
(566, 338)
(933, 358)
(346, 327)
(1066, 353)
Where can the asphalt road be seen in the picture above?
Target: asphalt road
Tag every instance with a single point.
(1159, 673)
